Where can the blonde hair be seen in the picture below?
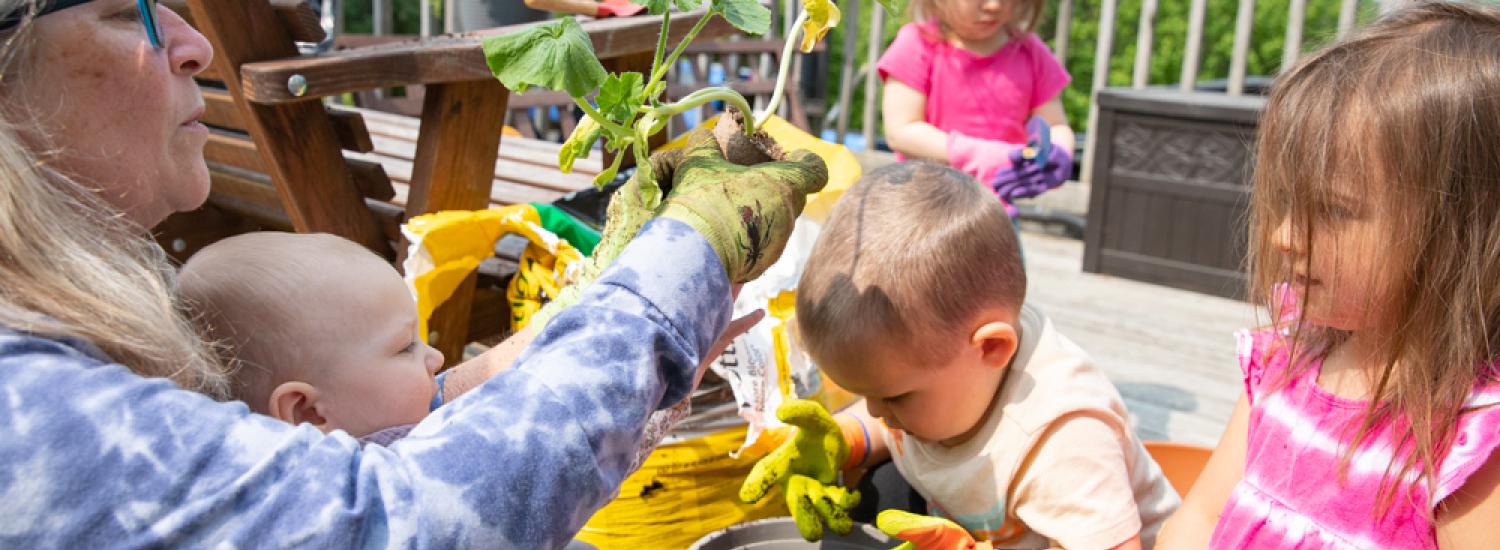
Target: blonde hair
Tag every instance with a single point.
(1406, 112)
(1025, 15)
(264, 314)
(911, 253)
(73, 267)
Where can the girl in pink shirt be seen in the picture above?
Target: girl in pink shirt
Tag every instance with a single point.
(1372, 406)
(961, 82)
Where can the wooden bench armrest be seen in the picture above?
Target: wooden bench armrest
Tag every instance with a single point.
(454, 58)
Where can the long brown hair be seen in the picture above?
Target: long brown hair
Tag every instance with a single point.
(72, 266)
(1407, 113)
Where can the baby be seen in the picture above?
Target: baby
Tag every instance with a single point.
(318, 329)
(914, 298)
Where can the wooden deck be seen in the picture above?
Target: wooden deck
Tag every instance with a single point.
(1170, 352)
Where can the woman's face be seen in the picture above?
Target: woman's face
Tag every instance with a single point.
(115, 112)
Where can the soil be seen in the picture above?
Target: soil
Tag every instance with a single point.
(742, 149)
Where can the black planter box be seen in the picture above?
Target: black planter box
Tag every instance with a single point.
(1170, 188)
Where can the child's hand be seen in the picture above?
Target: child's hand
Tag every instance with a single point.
(926, 532)
(806, 465)
(1026, 178)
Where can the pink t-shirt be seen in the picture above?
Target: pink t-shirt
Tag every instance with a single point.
(1290, 495)
(988, 96)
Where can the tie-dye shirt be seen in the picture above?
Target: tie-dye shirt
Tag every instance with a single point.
(1291, 496)
(96, 456)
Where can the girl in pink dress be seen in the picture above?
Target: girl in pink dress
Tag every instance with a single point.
(1370, 412)
(963, 79)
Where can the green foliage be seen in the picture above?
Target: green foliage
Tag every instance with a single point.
(620, 95)
(658, 7)
(745, 15)
(556, 55)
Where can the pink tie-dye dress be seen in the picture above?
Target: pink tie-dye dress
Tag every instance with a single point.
(1291, 495)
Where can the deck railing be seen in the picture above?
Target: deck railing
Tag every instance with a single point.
(874, 41)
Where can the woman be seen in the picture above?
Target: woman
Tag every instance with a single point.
(103, 445)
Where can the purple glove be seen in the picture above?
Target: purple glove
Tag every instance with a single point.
(1029, 177)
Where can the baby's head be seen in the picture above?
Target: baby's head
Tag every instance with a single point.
(319, 330)
(976, 20)
(911, 295)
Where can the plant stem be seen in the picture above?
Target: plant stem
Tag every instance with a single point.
(605, 123)
(698, 98)
(661, 47)
(786, 63)
(661, 71)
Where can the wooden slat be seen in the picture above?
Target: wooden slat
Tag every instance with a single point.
(1347, 10)
(442, 59)
(1293, 47)
(296, 139)
(1143, 41)
(1194, 47)
(299, 17)
(520, 150)
(1102, 49)
(1063, 32)
(253, 196)
(220, 111)
(1237, 59)
(872, 94)
(755, 45)
(237, 151)
(454, 170)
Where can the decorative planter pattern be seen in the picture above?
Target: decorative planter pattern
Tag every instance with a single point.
(1170, 189)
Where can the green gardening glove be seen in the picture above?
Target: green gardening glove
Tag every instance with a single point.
(807, 465)
(745, 212)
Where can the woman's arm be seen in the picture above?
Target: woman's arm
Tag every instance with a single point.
(102, 457)
(1193, 523)
(903, 112)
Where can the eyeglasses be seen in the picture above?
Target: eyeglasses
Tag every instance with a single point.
(148, 19)
(147, 9)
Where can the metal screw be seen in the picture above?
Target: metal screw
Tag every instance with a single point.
(297, 84)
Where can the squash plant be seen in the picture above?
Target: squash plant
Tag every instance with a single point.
(628, 107)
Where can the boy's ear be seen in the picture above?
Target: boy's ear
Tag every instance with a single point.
(297, 402)
(997, 342)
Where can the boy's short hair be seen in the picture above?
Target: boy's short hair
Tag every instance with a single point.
(911, 252)
(256, 296)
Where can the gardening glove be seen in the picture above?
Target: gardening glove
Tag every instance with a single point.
(807, 465)
(1035, 168)
(618, 8)
(746, 213)
(926, 532)
(979, 157)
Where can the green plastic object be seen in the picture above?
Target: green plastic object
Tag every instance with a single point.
(578, 234)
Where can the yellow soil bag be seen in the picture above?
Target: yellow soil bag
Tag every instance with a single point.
(683, 491)
(447, 246)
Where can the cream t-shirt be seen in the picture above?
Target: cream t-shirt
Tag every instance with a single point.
(1055, 462)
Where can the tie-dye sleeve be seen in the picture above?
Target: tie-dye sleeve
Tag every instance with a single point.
(96, 456)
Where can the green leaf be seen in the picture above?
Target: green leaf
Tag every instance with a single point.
(579, 143)
(620, 95)
(658, 7)
(605, 176)
(556, 55)
(745, 15)
(894, 7)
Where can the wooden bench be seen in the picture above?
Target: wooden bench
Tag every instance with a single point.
(279, 159)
